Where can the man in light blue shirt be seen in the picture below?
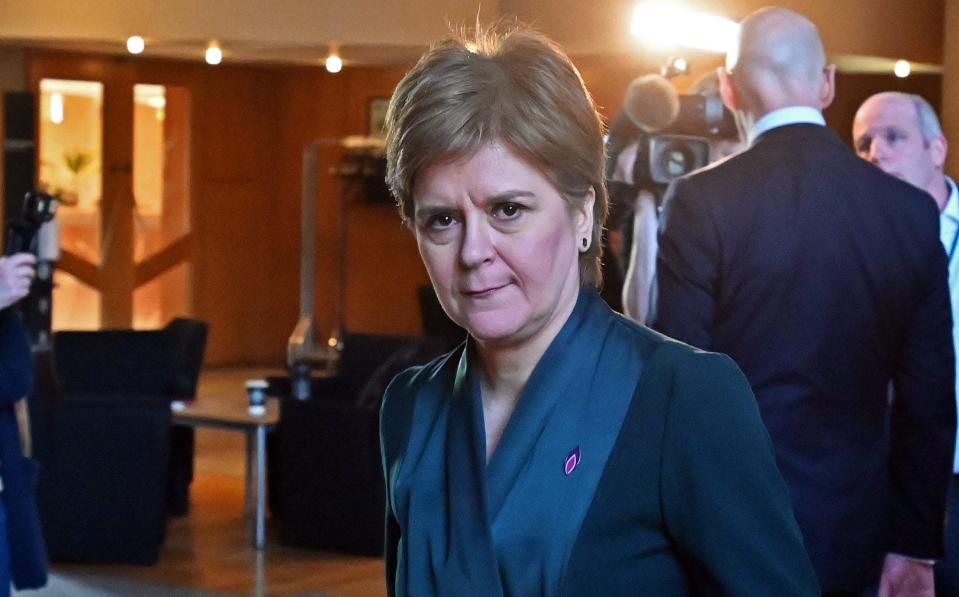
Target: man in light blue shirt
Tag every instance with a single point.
(901, 134)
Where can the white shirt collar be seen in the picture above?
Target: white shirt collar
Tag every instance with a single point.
(784, 116)
(952, 203)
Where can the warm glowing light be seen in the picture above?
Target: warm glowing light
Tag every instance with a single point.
(334, 63)
(902, 69)
(135, 44)
(56, 107)
(213, 55)
(332, 342)
(671, 26)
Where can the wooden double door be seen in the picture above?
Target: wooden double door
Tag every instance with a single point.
(115, 145)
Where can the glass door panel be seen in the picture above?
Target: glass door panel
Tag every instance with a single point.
(71, 132)
(76, 306)
(161, 157)
(162, 298)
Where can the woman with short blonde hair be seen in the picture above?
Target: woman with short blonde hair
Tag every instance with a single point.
(562, 449)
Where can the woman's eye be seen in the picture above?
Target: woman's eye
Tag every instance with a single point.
(507, 210)
(440, 221)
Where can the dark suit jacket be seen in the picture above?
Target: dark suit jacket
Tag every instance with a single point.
(673, 492)
(27, 551)
(824, 279)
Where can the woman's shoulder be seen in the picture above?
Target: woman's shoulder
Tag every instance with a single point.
(649, 341)
(408, 382)
(668, 356)
(402, 391)
(397, 408)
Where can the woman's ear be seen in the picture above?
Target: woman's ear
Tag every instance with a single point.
(583, 218)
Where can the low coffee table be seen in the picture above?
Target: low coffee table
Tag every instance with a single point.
(234, 416)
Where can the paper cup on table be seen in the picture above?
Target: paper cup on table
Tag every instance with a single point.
(256, 392)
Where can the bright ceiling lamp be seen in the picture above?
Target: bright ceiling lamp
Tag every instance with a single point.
(135, 44)
(671, 26)
(334, 63)
(902, 68)
(213, 54)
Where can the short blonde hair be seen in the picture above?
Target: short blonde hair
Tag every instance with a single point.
(517, 88)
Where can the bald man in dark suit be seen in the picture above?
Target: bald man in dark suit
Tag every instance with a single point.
(825, 280)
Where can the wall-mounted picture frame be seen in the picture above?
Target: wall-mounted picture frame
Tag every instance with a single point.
(377, 117)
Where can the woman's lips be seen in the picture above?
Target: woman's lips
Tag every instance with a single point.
(484, 292)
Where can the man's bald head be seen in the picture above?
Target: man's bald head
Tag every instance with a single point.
(779, 61)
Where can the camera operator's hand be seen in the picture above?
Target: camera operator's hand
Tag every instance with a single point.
(16, 274)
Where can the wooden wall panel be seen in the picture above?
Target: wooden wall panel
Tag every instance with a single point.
(250, 126)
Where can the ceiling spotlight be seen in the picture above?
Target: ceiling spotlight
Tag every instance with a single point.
(135, 44)
(334, 63)
(213, 54)
(675, 67)
(902, 69)
(662, 24)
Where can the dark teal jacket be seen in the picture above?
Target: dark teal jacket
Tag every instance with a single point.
(632, 465)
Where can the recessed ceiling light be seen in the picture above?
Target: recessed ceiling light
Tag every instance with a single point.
(334, 63)
(902, 69)
(135, 44)
(213, 54)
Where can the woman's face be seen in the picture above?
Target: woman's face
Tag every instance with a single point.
(500, 244)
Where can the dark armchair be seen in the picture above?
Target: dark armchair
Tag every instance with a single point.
(325, 477)
(109, 461)
(326, 480)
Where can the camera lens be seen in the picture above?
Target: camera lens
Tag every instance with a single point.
(676, 161)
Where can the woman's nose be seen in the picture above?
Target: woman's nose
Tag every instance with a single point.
(477, 244)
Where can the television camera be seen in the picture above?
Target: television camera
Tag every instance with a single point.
(672, 131)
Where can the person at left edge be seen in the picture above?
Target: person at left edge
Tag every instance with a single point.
(562, 449)
(16, 375)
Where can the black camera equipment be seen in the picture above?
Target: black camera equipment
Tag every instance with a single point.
(672, 133)
(38, 209)
(22, 236)
(683, 146)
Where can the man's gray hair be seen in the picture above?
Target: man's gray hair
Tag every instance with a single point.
(929, 125)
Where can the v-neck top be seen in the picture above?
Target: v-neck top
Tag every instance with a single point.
(597, 442)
